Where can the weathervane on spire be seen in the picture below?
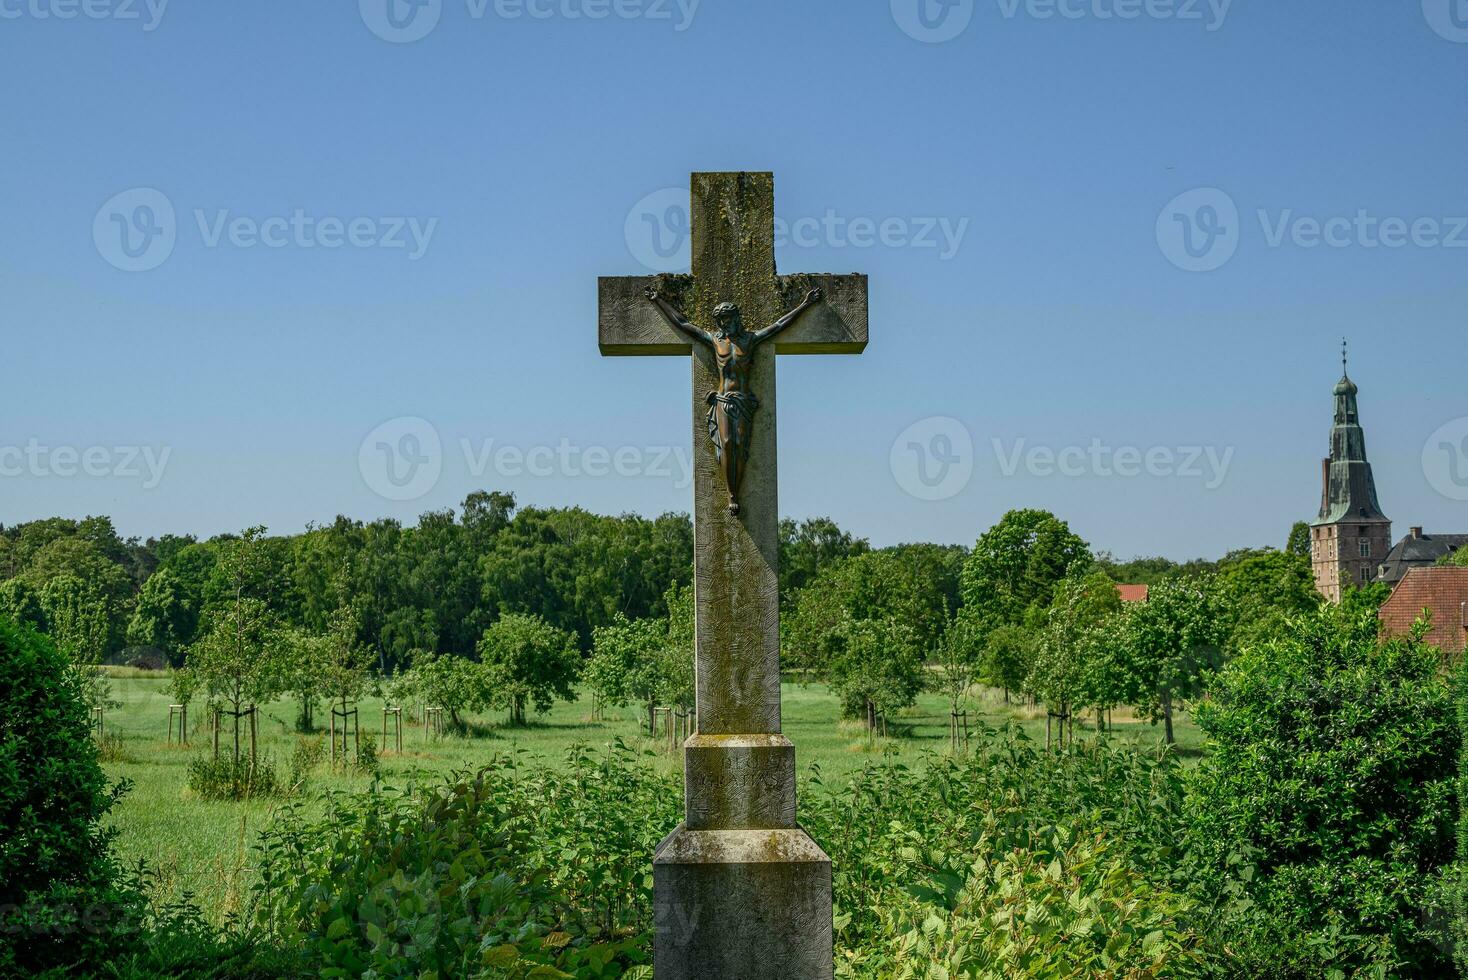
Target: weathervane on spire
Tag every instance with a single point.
(1344, 349)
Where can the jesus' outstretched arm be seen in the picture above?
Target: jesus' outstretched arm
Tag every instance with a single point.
(675, 316)
(811, 299)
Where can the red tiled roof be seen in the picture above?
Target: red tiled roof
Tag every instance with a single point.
(1445, 592)
(1133, 593)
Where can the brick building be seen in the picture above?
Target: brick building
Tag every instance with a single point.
(1444, 591)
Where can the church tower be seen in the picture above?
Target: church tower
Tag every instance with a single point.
(1351, 536)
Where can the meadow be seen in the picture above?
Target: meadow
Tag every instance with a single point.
(203, 847)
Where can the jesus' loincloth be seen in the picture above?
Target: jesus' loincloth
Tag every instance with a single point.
(731, 421)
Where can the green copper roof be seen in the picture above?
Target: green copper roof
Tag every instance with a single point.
(1350, 492)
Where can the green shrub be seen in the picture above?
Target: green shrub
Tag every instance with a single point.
(1457, 883)
(223, 777)
(63, 901)
(1012, 862)
(499, 874)
(306, 755)
(367, 759)
(1327, 800)
(1072, 909)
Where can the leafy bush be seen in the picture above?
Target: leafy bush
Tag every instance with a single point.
(1072, 854)
(1012, 862)
(223, 777)
(496, 874)
(307, 754)
(1074, 908)
(62, 898)
(367, 759)
(1327, 800)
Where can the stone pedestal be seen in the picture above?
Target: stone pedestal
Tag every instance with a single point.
(742, 905)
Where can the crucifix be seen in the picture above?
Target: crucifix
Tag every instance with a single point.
(740, 889)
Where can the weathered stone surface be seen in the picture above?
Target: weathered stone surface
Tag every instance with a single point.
(739, 782)
(742, 905)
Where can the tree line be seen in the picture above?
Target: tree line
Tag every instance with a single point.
(497, 606)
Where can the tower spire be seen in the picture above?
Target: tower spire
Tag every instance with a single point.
(1351, 534)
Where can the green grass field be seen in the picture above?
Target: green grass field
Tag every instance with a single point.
(203, 847)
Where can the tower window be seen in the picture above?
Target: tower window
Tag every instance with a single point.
(1365, 548)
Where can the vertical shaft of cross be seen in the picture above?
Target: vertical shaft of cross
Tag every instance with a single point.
(736, 557)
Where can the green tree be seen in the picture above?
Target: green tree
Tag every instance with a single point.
(453, 683)
(619, 650)
(21, 604)
(1066, 656)
(1263, 590)
(63, 908)
(77, 618)
(529, 662)
(1326, 797)
(958, 658)
(235, 659)
(809, 547)
(876, 667)
(1173, 642)
(1008, 654)
(1299, 540)
(1016, 565)
(908, 584)
(166, 616)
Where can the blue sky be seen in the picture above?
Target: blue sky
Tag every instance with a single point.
(437, 212)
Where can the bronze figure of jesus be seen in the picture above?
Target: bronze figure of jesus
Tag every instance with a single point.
(732, 405)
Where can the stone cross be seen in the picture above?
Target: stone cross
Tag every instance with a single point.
(740, 890)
